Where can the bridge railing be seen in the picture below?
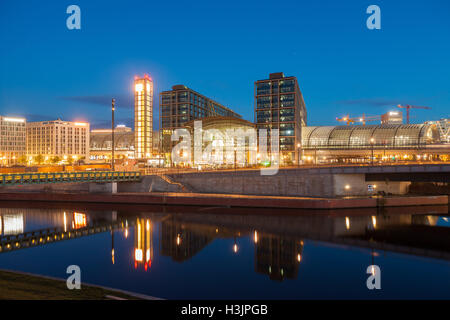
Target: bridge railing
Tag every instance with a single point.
(58, 177)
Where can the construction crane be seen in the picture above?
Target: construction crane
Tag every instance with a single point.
(407, 107)
(363, 119)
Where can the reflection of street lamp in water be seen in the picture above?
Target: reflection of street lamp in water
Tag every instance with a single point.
(235, 246)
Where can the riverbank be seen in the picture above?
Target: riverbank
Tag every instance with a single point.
(228, 200)
(24, 286)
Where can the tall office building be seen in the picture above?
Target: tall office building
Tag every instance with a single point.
(181, 105)
(143, 117)
(63, 139)
(279, 105)
(12, 140)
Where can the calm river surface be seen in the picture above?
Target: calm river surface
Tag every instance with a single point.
(223, 253)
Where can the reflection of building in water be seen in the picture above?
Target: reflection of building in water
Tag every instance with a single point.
(11, 224)
(277, 257)
(182, 242)
(79, 220)
(143, 243)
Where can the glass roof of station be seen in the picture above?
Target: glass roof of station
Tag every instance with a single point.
(359, 136)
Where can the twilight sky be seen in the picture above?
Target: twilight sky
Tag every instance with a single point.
(219, 48)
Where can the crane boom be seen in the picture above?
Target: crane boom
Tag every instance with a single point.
(407, 107)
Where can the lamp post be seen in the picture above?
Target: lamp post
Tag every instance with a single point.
(112, 134)
(372, 141)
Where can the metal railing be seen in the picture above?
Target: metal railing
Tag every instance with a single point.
(67, 177)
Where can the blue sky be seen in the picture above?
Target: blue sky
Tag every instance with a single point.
(219, 48)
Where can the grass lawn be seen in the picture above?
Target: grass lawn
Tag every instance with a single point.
(16, 286)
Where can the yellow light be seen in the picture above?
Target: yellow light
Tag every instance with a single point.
(139, 87)
(299, 257)
(256, 236)
(138, 254)
(81, 124)
(373, 270)
(178, 240)
(347, 223)
(374, 221)
(235, 248)
(347, 187)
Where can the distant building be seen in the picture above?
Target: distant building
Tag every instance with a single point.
(279, 105)
(143, 117)
(12, 140)
(101, 142)
(392, 117)
(124, 139)
(57, 139)
(181, 105)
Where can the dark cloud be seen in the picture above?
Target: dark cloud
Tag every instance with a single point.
(122, 101)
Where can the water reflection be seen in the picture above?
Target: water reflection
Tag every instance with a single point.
(278, 240)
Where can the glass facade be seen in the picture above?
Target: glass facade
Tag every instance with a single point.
(363, 137)
(143, 117)
(279, 105)
(181, 105)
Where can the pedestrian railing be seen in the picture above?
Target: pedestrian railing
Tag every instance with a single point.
(59, 177)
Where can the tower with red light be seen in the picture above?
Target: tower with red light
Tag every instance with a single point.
(143, 117)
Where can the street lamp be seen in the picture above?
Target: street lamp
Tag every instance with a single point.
(112, 133)
(372, 141)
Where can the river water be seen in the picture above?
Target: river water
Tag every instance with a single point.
(234, 253)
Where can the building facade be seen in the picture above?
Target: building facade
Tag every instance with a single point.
(392, 117)
(57, 140)
(101, 141)
(12, 140)
(181, 105)
(143, 117)
(387, 143)
(279, 105)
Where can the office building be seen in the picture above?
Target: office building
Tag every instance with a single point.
(181, 105)
(12, 140)
(392, 117)
(143, 117)
(57, 140)
(279, 105)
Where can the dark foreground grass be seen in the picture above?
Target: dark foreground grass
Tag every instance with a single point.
(16, 286)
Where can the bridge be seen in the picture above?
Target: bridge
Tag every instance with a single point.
(68, 177)
(49, 235)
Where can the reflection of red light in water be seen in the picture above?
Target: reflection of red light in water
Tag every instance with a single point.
(146, 266)
(79, 220)
(135, 264)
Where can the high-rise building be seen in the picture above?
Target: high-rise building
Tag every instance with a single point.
(143, 117)
(182, 104)
(279, 105)
(12, 140)
(392, 117)
(63, 140)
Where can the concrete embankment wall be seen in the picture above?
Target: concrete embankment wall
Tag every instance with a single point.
(287, 182)
(147, 184)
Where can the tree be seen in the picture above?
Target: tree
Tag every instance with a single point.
(39, 159)
(55, 159)
(22, 159)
